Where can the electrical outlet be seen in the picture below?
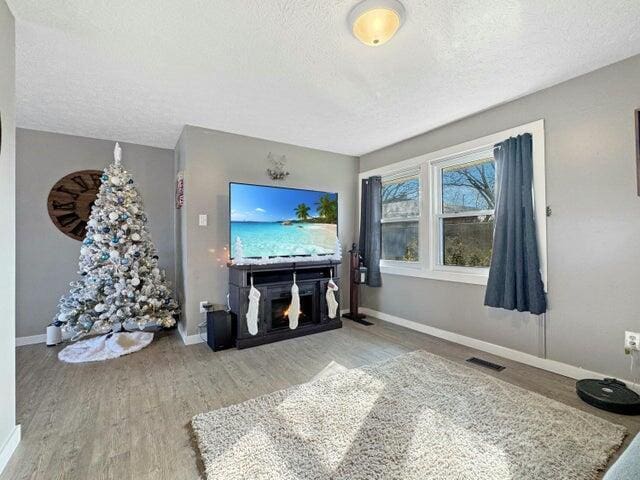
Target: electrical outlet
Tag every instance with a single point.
(631, 341)
(203, 306)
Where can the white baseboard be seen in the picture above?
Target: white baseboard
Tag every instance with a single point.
(554, 366)
(189, 339)
(9, 447)
(22, 341)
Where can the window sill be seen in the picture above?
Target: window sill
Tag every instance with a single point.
(446, 276)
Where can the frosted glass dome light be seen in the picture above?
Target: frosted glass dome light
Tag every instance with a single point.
(375, 22)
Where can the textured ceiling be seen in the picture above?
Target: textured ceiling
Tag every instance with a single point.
(290, 71)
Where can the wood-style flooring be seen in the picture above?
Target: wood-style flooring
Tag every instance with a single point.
(128, 418)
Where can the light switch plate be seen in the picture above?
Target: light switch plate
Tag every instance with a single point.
(202, 220)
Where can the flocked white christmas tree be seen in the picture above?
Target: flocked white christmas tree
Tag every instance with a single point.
(121, 285)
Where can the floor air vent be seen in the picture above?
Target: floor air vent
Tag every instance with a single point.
(485, 363)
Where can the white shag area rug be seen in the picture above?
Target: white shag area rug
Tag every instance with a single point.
(105, 347)
(417, 416)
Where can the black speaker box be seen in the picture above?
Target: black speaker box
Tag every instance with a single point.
(221, 330)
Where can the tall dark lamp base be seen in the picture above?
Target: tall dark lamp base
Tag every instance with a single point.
(358, 317)
(354, 284)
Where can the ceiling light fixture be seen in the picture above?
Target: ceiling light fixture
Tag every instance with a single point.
(375, 22)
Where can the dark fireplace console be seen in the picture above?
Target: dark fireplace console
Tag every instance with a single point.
(274, 283)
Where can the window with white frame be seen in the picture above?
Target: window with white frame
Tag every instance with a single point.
(438, 209)
(401, 216)
(465, 189)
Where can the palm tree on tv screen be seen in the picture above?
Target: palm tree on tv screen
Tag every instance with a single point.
(328, 208)
(302, 211)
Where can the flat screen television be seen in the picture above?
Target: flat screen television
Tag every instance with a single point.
(281, 222)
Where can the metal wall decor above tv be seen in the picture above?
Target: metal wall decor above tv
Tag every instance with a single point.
(281, 221)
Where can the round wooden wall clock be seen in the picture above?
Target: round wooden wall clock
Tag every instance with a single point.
(70, 201)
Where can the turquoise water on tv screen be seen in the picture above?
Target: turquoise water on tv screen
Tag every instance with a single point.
(272, 221)
(275, 239)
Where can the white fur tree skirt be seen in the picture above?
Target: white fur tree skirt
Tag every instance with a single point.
(105, 347)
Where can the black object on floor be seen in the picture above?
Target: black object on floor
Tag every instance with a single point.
(220, 330)
(357, 275)
(609, 394)
(359, 318)
(486, 363)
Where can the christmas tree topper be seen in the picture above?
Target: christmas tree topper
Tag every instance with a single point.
(117, 154)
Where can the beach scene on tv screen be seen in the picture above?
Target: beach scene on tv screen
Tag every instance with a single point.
(278, 222)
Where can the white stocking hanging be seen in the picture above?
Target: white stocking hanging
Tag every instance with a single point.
(252, 311)
(294, 308)
(332, 304)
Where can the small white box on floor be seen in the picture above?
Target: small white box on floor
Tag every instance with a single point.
(54, 335)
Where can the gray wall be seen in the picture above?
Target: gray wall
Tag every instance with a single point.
(47, 260)
(213, 159)
(594, 266)
(180, 233)
(8, 221)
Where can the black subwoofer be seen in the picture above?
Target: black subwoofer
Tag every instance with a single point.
(221, 330)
